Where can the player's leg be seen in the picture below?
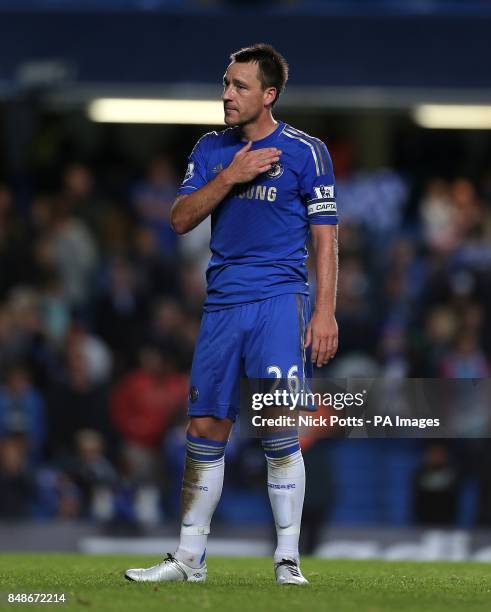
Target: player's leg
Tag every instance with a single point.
(286, 489)
(276, 349)
(202, 485)
(201, 490)
(213, 405)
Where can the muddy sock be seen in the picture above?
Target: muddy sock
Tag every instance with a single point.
(201, 490)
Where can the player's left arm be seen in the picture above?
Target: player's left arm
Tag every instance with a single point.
(318, 189)
(322, 330)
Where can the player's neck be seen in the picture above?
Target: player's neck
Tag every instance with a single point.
(260, 129)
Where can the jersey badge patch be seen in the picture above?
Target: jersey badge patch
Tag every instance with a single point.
(324, 191)
(189, 172)
(275, 171)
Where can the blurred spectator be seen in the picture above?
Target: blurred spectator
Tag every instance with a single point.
(434, 342)
(355, 312)
(16, 485)
(80, 200)
(195, 247)
(405, 276)
(120, 312)
(145, 405)
(470, 211)
(68, 497)
(14, 256)
(149, 399)
(466, 360)
(72, 251)
(93, 474)
(156, 276)
(54, 311)
(78, 398)
(375, 200)
(193, 291)
(152, 202)
(439, 217)
(173, 331)
(393, 349)
(436, 487)
(22, 411)
(96, 354)
(22, 335)
(137, 502)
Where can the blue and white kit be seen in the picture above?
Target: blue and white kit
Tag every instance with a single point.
(257, 305)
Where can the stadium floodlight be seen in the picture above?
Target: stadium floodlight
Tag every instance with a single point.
(453, 116)
(139, 110)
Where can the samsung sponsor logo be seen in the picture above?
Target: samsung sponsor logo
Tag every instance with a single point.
(256, 192)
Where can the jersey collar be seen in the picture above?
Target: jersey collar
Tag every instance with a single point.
(264, 142)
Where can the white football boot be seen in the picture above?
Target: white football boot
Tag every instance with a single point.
(288, 571)
(169, 570)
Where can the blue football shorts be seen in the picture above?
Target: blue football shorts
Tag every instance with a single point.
(263, 339)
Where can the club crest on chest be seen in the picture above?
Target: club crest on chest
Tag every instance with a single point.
(275, 171)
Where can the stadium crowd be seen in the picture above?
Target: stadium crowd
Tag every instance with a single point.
(100, 306)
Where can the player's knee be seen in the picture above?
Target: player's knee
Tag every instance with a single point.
(210, 428)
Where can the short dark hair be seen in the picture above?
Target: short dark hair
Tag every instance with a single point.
(272, 66)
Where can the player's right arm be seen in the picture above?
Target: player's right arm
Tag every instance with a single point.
(189, 209)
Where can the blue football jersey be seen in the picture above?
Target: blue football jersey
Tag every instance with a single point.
(260, 230)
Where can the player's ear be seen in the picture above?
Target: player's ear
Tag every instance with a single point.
(269, 96)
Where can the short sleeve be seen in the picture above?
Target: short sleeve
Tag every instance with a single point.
(195, 176)
(318, 186)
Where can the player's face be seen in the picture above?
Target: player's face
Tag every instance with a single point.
(244, 98)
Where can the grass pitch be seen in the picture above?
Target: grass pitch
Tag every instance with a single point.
(97, 583)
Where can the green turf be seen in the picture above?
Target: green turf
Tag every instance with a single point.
(96, 583)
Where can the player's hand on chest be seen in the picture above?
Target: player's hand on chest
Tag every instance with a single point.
(275, 182)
